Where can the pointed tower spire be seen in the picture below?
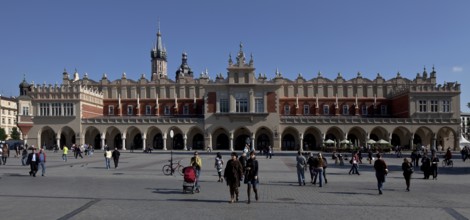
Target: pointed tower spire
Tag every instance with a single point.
(159, 57)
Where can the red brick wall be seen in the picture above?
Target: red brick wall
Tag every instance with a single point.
(400, 106)
(211, 102)
(271, 102)
(89, 111)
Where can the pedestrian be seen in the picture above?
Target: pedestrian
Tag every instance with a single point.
(65, 150)
(233, 174)
(334, 157)
(42, 161)
(17, 150)
(407, 168)
(107, 158)
(380, 172)
(115, 155)
(301, 162)
(341, 159)
(325, 165)
(251, 175)
(24, 156)
(426, 166)
(196, 162)
(318, 166)
(270, 152)
(434, 163)
(91, 149)
(33, 160)
(219, 163)
(354, 164)
(369, 156)
(243, 160)
(311, 166)
(5, 153)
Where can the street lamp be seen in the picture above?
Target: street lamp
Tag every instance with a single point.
(172, 134)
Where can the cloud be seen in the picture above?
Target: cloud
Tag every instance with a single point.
(457, 69)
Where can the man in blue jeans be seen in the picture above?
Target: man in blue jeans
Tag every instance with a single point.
(380, 172)
(301, 162)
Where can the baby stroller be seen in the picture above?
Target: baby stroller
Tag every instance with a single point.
(189, 183)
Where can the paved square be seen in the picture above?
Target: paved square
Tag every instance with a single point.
(84, 189)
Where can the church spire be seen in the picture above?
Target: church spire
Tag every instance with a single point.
(159, 58)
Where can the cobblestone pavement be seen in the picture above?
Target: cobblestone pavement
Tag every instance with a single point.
(84, 189)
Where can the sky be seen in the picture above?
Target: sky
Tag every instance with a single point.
(39, 39)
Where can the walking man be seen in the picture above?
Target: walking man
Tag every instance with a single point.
(65, 152)
(301, 162)
(251, 175)
(42, 161)
(5, 153)
(380, 172)
(33, 160)
(115, 156)
(107, 158)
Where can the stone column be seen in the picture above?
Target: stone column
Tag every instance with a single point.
(301, 136)
(185, 138)
(144, 141)
(164, 142)
(252, 142)
(411, 141)
(231, 142)
(102, 142)
(57, 141)
(124, 143)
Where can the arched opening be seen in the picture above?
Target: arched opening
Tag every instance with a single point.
(157, 142)
(222, 142)
(198, 142)
(374, 137)
(395, 140)
(117, 142)
(288, 142)
(137, 142)
(417, 140)
(178, 142)
(97, 142)
(310, 142)
(262, 142)
(241, 141)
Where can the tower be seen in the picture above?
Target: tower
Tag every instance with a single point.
(158, 56)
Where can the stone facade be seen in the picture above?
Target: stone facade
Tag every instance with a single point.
(8, 112)
(239, 108)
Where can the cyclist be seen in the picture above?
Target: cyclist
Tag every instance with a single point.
(448, 156)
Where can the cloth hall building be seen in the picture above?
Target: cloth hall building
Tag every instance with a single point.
(240, 107)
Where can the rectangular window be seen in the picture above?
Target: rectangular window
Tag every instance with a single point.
(434, 106)
(364, 109)
(224, 106)
(422, 106)
(241, 105)
(185, 110)
(286, 109)
(68, 109)
(345, 109)
(167, 110)
(3, 120)
(111, 110)
(130, 110)
(44, 109)
(259, 105)
(9, 122)
(383, 110)
(25, 110)
(148, 110)
(326, 110)
(446, 106)
(54, 109)
(306, 109)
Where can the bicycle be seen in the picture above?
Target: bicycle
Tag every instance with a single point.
(448, 163)
(168, 170)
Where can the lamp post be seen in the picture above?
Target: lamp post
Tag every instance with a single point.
(171, 154)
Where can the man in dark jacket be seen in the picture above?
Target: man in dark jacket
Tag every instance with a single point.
(116, 154)
(380, 172)
(33, 161)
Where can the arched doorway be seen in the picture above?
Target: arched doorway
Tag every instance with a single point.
(262, 142)
(137, 142)
(241, 141)
(222, 142)
(310, 142)
(288, 142)
(198, 142)
(117, 140)
(178, 142)
(157, 142)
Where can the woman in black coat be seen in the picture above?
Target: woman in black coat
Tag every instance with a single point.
(426, 166)
(407, 171)
(251, 175)
(232, 174)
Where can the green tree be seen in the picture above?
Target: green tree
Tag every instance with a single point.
(468, 105)
(15, 134)
(3, 134)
